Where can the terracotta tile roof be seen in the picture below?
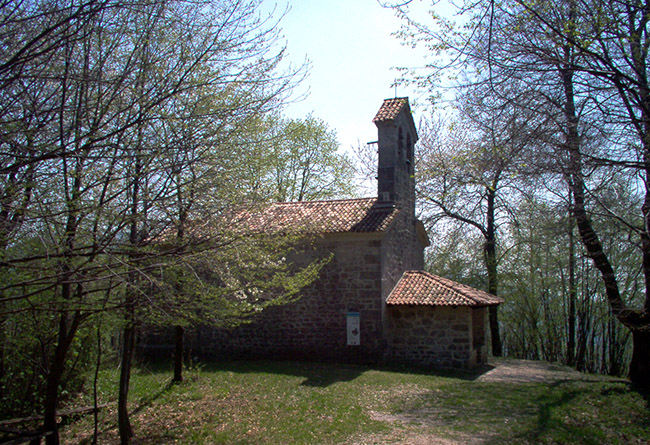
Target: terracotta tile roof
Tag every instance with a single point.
(336, 216)
(421, 288)
(390, 109)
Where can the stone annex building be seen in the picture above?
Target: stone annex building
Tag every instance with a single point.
(372, 302)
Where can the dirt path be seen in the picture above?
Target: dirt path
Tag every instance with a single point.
(529, 371)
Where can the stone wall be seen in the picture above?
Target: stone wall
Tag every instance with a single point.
(440, 337)
(398, 254)
(314, 327)
(401, 248)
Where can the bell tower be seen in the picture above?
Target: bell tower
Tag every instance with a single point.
(397, 136)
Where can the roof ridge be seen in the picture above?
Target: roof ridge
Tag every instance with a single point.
(324, 201)
(391, 108)
(354, 215)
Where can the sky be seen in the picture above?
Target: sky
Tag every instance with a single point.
(352, 53)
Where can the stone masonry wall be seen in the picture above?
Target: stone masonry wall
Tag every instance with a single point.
(401, 248)
(396, 257)
(314, 327)
(440, 337)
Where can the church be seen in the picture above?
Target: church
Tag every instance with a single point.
(372, 302)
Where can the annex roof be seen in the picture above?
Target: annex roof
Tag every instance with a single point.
(336, 216)
(390, 109)
(420, 288)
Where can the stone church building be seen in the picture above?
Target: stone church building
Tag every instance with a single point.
(372, 301)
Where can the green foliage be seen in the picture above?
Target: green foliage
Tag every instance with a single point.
(28, 345)
(230, 280)
(125, 124)
(297, 160)
(454, 254)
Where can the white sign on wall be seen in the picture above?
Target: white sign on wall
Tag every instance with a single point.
(354, 331)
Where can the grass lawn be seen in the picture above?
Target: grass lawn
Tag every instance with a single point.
(293, 402)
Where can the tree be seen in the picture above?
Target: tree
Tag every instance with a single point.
(619, 60)
(83, 162)
(470, 175)
(203, 277)
(297, 160)
(586, 62)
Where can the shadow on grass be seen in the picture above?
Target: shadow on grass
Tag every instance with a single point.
(314, 374)
(584, 411)
(568, 396)
(626, 388)
(547, 403)
(643, 392)
(150, 399)
(321, 374)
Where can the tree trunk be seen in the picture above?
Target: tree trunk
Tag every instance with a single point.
(491, 265)
(124, 424)
(638, 321)
(52, 395)
(98, 364)
(617, 346)
(573, 293)
(65, 336)
(178, 354)
(494, 331)
(640, 364)
(3, 348)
